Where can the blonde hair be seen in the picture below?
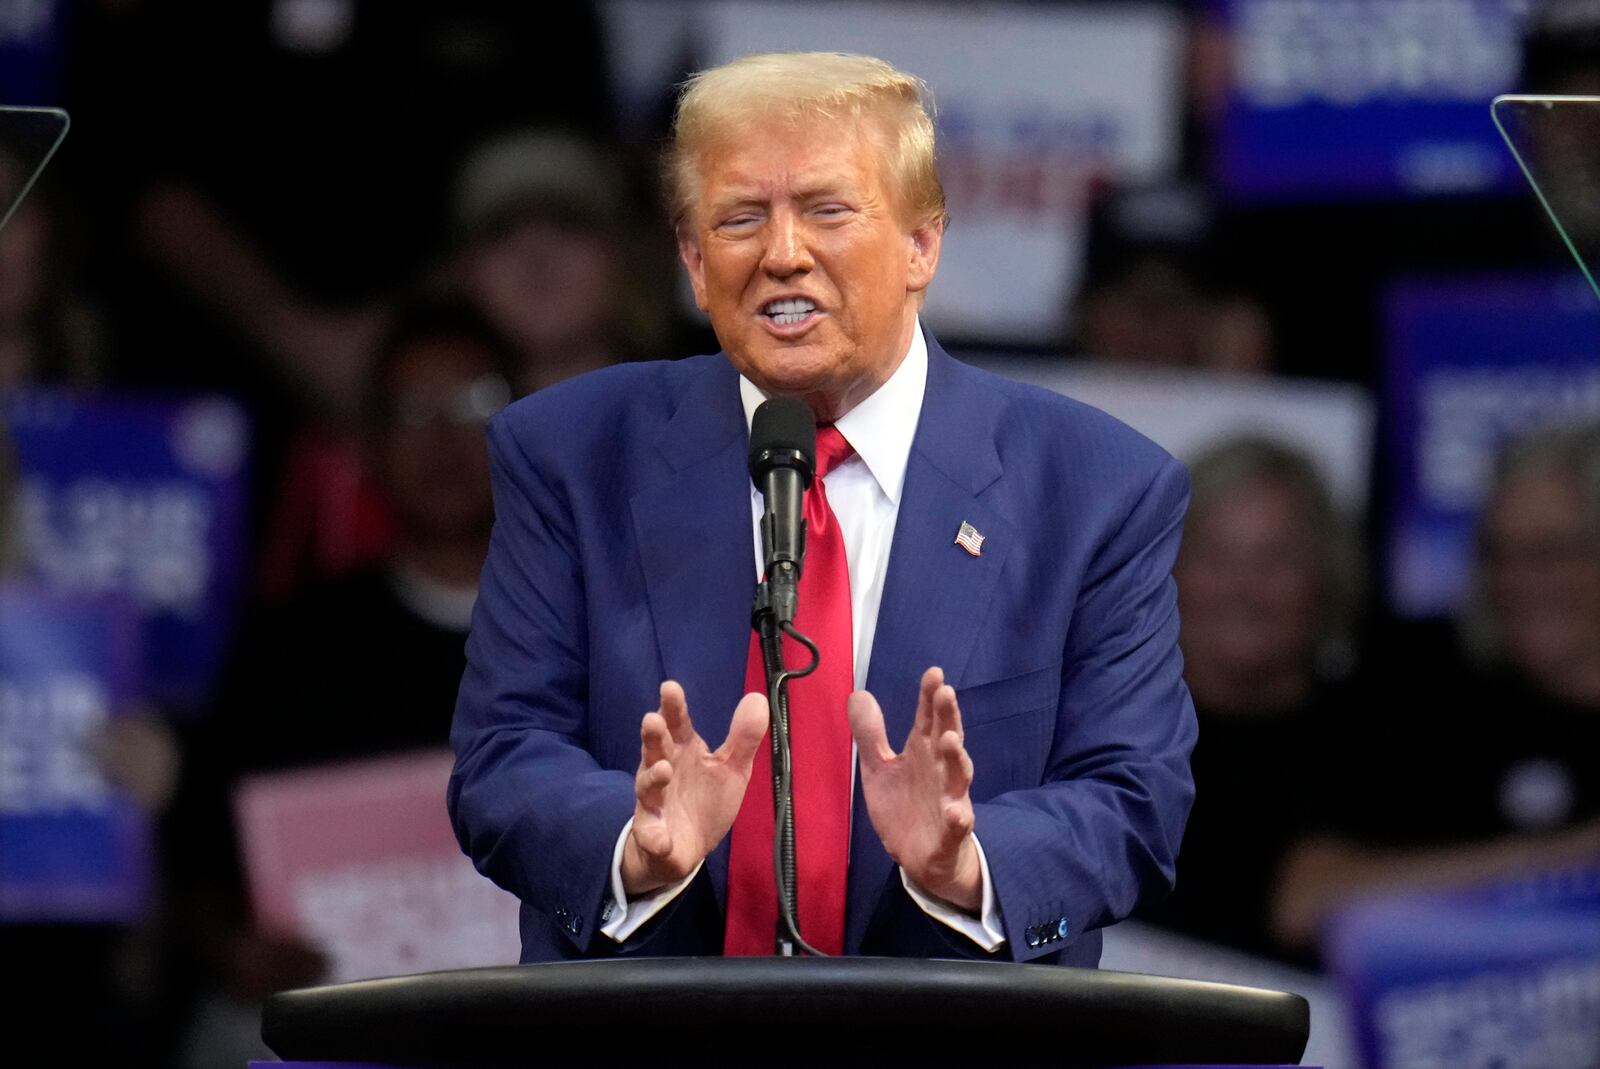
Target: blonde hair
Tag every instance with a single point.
(799, 87)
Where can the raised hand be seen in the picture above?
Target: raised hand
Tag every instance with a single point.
(687, 794)
(918, 799)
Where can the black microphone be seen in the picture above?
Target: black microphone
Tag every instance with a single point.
(783, 457)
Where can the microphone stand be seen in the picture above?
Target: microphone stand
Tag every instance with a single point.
(764, 618)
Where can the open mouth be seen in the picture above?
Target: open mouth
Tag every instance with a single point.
(788, 311)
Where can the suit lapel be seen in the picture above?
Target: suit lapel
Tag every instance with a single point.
(694, 535)
(935, 593)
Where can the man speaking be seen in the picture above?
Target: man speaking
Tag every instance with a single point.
(991, 759)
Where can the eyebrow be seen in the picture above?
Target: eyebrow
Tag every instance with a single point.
(747, 192)
(734, 198)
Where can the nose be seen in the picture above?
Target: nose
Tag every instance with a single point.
(788, 252)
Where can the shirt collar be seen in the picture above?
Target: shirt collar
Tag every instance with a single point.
(880, 428)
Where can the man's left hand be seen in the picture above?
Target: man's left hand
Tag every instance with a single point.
(918, 799)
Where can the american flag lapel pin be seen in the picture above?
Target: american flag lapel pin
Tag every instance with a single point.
(969, 539)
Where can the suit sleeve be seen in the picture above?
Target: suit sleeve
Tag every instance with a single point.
(1101, 834)
(530, 806)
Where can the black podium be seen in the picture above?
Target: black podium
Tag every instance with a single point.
(786, 1011)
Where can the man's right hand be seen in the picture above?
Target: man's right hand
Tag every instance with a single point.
(687, 794)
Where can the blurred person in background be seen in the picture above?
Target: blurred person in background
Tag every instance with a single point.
(294, 172)
(265, 177)
(111, 975)
(356, 665)
(47, 335)
(1495, 768)
(549, 250)
(370, 660)
(1159, 290)
(552, 252)
(1537, 617)
(1269, 580)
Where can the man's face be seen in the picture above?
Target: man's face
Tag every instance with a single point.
(798, 249)
(430, 452)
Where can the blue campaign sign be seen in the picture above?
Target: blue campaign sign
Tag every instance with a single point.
(1356, 99)
(1507, 974)
(145, 496)
(72, 847)
(1469, 364)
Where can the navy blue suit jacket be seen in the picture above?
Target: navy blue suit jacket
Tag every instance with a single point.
(622, 556)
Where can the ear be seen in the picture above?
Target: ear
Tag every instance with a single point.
(923, 245)
(694, 263)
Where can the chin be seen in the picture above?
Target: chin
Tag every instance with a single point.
(792, 378)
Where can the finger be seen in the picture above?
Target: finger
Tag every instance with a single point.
(932, 679)
(946, 711)
(650, 785)
(745, 734)
(866, 727)
(675, 710)
(956, 764)
(655, 742)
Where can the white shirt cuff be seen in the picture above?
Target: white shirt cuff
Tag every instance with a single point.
(986, 930)
(620, 918)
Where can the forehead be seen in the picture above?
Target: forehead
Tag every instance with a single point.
(791, 156)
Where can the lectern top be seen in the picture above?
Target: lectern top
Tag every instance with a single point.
(788, 1011)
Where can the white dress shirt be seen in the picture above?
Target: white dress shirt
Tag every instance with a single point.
(864, 493)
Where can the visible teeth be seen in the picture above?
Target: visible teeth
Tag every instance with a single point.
(789, 310)
(785, 318)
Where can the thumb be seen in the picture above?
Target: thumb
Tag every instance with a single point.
(745, 733)
(866, 727)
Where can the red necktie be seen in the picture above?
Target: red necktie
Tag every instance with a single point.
(819, 740)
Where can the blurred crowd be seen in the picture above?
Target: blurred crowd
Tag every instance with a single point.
(376, 234)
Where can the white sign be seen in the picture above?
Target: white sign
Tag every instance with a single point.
(1188, 412)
